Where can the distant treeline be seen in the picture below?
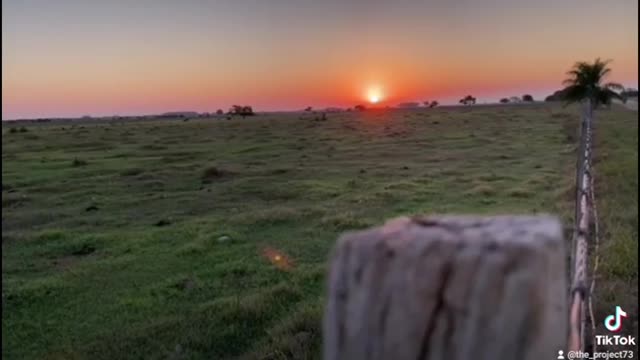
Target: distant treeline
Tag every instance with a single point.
(561, 95)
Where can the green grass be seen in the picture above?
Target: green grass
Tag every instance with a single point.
(616, 182)
(111, 240)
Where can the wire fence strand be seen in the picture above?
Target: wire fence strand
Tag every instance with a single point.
(584, 217)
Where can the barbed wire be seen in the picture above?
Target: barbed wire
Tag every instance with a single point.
(596, 236)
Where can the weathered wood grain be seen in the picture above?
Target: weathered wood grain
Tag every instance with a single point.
(448, 288)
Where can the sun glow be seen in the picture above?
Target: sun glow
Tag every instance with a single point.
(374, 95)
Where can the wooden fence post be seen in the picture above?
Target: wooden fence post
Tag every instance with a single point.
(448, 288)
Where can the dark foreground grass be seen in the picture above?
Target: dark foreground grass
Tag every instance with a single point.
(147, 240)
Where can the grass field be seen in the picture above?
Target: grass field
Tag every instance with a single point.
(616, 186)
(151, 240)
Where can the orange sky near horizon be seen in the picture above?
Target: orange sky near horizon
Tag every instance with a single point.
(71, 58)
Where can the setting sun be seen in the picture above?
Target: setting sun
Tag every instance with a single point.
(374, 95)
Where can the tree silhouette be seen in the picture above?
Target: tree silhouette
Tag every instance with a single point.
(433, 104)
(527, 98)
(558, 95)
(586, 83)
(241, 110)
(468, 100)
(247, 111)
(504, 101)
(360, 107)
(219, 112)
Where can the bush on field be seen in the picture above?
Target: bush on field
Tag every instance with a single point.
(78, 162)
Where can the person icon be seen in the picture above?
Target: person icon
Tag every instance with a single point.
(560, 355)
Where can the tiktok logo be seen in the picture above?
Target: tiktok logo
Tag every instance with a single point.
(613, 323)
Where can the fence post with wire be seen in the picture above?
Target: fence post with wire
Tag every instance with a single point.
(584, 205)
(455, 287)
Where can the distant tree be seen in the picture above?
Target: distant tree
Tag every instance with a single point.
(360, 107)
(247, 111)
(515, 99)
(504, 101)
(586, 83)
(558, 95)
(527, 98)
(426, 103)
(308, 109)
(433, 104)
(219, 112)
(241, 110)
(468, 100)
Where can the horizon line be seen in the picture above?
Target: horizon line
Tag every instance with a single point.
(328, 108)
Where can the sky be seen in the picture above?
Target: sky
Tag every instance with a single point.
(69, 58)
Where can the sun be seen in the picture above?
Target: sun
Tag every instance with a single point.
(374, 95)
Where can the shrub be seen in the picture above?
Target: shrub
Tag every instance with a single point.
(468, 100)
(241, 110)
(131, 172)
(211, 173)
(78, 162)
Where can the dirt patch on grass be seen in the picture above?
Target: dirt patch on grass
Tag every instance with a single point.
(79, 162)
(214, 173)
(13, 200)
(85, 252)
